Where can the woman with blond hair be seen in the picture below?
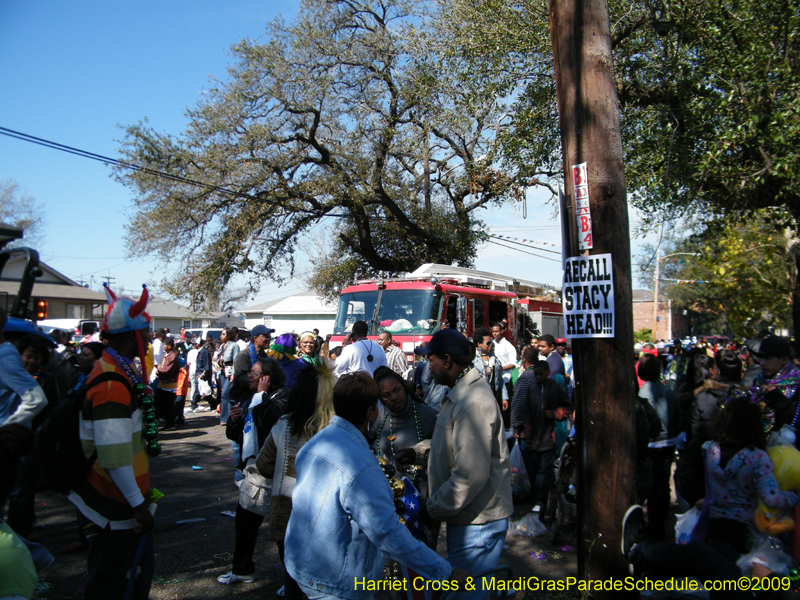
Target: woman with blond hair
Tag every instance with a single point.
(310, 410)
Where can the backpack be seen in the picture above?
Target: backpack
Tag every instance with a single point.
(59, 452)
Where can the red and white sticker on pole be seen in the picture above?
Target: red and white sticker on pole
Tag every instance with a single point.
(580, 183)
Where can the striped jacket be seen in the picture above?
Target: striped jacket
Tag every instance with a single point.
(111, 425)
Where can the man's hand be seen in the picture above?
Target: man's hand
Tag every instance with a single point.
(405, 458)
(505, 405)
(263, 383)
(460, 577)
(145, 520)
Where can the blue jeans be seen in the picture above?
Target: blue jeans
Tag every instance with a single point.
(39, 554)
(315, 595)
(225, 404)
(111, 555)
(541, 471)
(475, 548)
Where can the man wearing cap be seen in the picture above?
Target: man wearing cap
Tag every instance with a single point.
(260, 337)
(468, 466)
(749, 356)
(779, 382)
(561, 348)
(360, 355)
(118, 431)
(21, 398)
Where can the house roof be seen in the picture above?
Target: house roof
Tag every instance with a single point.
(260, 308)
(304, 303)
(167, 309)
(55, 290)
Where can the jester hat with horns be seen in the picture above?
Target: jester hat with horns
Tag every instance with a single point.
(125, 314)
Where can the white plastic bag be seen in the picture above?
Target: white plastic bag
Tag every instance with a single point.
(767, 551)
(685, 525)
(203, 387)
(529, 525)
(520, 482)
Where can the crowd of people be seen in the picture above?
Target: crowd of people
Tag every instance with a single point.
(707, 420)
(357, 454)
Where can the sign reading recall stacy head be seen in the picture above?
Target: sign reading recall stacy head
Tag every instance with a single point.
(588, 297)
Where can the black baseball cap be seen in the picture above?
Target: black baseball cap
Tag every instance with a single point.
(445, 341)
(774, 346)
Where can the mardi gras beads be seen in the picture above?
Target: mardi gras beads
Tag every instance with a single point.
(150, 423)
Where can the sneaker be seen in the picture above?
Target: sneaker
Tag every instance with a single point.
(281, 592)
(632, 524)
(536, 509)
(231, 577)
(202, 409)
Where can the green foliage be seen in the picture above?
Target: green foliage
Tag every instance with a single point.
(739, 276)
(645, 334)
(348, 113)
(709, 94)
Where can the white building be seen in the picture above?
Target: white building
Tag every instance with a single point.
(293, 314)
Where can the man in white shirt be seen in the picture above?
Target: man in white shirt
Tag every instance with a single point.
(239, 341)
(158, 351)
(362, 354)
(505, 353)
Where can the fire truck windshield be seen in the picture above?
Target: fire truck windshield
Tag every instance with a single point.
(399, 311)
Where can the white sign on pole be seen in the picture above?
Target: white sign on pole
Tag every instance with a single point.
(588, 297)
(580, 183)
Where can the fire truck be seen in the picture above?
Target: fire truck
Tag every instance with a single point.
(414, 307)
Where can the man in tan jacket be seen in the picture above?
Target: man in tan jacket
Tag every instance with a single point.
(468, 467)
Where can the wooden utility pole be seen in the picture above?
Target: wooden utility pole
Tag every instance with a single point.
(655, 291)
(605, 393)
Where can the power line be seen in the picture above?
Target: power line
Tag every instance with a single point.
(509, 240)
(523, 251)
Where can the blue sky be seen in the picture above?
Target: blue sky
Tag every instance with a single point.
(74, 72)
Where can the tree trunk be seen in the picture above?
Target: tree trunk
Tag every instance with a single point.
(605, 394)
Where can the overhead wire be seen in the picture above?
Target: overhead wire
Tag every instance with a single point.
(523, 251)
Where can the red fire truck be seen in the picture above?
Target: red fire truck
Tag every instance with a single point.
(412, 308)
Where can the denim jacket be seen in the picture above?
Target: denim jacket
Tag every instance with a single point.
(344, 521)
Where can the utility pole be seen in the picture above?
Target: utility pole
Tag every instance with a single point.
(605, 392)
(655, 292)
(109, 279)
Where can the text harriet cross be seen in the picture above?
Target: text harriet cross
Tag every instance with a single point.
(588, 297)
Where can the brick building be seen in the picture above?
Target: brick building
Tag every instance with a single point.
(672, 323)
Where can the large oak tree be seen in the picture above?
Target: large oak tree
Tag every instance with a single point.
(351, 115)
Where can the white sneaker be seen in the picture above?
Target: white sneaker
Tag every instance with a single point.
(281, 592)
(536, 509)
(230, 577)
(202, 409)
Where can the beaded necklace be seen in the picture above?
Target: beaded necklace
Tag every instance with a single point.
(145, 395)
(461, 376)
(392, 437)
(787, 381)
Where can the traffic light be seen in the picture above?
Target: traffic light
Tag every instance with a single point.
(40, 309)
